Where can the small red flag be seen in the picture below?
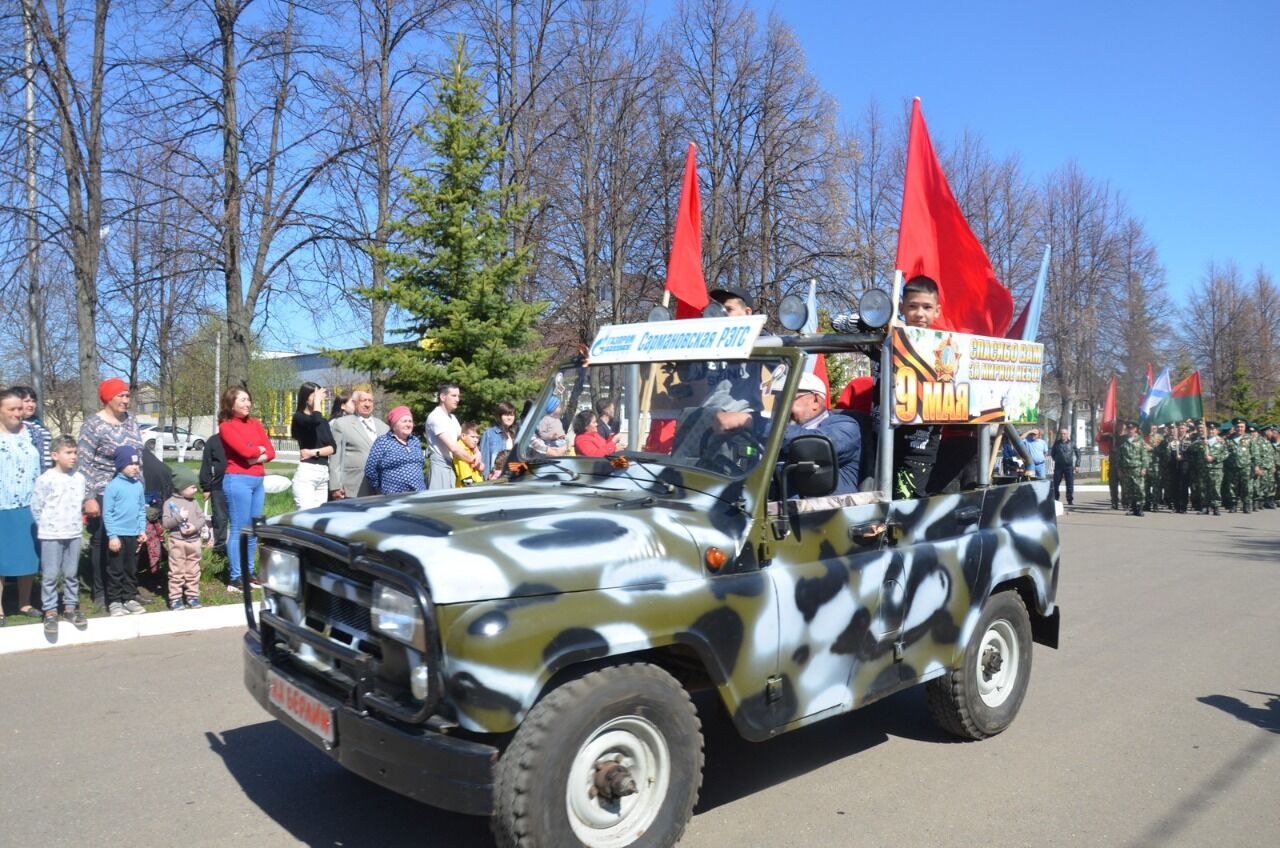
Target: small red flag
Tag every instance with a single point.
(684, 268)
(1107, 426)
(935, 240)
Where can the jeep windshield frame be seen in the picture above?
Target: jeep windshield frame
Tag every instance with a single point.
(719, 418)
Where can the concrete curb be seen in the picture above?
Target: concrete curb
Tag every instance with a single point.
(30, 637)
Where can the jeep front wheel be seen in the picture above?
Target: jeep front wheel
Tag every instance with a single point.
(613, 758)
(982, 696)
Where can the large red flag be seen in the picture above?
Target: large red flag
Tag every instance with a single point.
(935, 240)
(684, 267)
(1107, 426)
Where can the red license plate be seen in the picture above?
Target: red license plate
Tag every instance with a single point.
(305, 709)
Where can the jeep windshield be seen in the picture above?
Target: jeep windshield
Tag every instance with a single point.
(714, 415)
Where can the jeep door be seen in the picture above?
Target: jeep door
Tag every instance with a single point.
(829, 574)
(937, 553)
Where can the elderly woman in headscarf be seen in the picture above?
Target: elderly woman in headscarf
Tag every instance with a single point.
(549, 439)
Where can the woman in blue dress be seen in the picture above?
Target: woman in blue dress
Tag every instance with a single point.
(19, 467)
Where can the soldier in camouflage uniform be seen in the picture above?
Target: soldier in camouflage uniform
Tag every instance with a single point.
(1133, 468)
(1265, 460)
(1238, 469)
(1158, 453)
(1113, 466)
(1176, 466)
(1211, 455)
(1195, 464)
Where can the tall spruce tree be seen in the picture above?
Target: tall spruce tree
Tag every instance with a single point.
(454, 278)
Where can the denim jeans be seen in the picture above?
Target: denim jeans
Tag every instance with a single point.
(59, 558)
(245, 499)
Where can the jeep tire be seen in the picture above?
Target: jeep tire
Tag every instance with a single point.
(613, 758)
(982, 696)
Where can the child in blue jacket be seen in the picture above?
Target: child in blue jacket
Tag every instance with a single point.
(124, 515)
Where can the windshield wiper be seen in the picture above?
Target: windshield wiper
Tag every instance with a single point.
(538, 462)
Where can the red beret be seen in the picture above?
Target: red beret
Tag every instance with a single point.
(108, 389)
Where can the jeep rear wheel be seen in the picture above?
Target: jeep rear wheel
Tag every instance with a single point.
(613, 758)
(982, 696)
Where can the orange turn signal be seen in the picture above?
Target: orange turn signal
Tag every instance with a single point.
(716, 559)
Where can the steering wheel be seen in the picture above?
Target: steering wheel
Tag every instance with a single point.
(721, 451)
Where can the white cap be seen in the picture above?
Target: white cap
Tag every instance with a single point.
(810, 382)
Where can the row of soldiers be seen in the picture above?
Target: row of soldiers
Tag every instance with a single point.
(1198, 465)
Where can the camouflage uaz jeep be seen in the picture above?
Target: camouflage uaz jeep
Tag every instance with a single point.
(526, 649)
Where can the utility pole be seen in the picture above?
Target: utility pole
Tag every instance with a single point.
(35, 349)
(217, 376)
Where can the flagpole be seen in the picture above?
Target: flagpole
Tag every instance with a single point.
(884, 457)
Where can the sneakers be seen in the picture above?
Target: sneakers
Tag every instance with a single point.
(133, 608)
(116, 609)
(194, 603)
(176, 605)
(254, 581)
(51, 623)
(234, 588)
(73, 616)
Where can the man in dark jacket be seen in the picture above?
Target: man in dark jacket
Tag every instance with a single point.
(213, 464)
(1064, 465)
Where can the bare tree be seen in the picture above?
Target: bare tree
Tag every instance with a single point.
(76, 97)
(251, 89)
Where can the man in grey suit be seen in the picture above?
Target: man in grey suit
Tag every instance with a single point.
(354, 435)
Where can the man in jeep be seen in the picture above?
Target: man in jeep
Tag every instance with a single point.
(809, 414)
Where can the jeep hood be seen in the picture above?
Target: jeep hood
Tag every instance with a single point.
(530, 537)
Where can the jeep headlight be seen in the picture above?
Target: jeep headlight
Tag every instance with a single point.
(397, 615)
(283, 570)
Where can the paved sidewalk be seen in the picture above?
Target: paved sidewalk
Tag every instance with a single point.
(30, 637)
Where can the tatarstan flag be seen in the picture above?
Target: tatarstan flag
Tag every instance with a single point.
(1184, 402)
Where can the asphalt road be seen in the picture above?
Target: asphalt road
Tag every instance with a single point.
(1156, 724)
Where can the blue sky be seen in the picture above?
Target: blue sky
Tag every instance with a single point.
(1174, 104)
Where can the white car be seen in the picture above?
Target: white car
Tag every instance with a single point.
(170, 438)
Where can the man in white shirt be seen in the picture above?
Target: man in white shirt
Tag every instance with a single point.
(443, 430)
(354, 435)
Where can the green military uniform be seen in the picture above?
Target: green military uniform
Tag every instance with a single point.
(1265, 459)
(1195, 470)
(1237, 470)
(1133, 471)
(1158, 456)
(1213, 457)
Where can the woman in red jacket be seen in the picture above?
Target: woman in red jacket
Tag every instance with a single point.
(587, 441)
(248, 450)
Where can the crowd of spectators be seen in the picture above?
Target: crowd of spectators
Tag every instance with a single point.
(101, 490)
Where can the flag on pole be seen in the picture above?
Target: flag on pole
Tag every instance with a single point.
(1185, 401)
(1028, 323)
(684, 267)
(1107, 426)
(815, 364)
(1157, 393)
(935, 240)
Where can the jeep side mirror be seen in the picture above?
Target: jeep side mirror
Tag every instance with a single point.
(810, 470)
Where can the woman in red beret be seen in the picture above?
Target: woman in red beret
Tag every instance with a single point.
(107, 429)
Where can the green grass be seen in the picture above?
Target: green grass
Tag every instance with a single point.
(214, 568)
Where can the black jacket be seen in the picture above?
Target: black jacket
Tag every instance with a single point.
(213, 464)
(1063, 453)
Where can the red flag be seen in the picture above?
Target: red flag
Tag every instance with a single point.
(935, 240)
(1107, 426)
(820, 368)
(684, 268)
